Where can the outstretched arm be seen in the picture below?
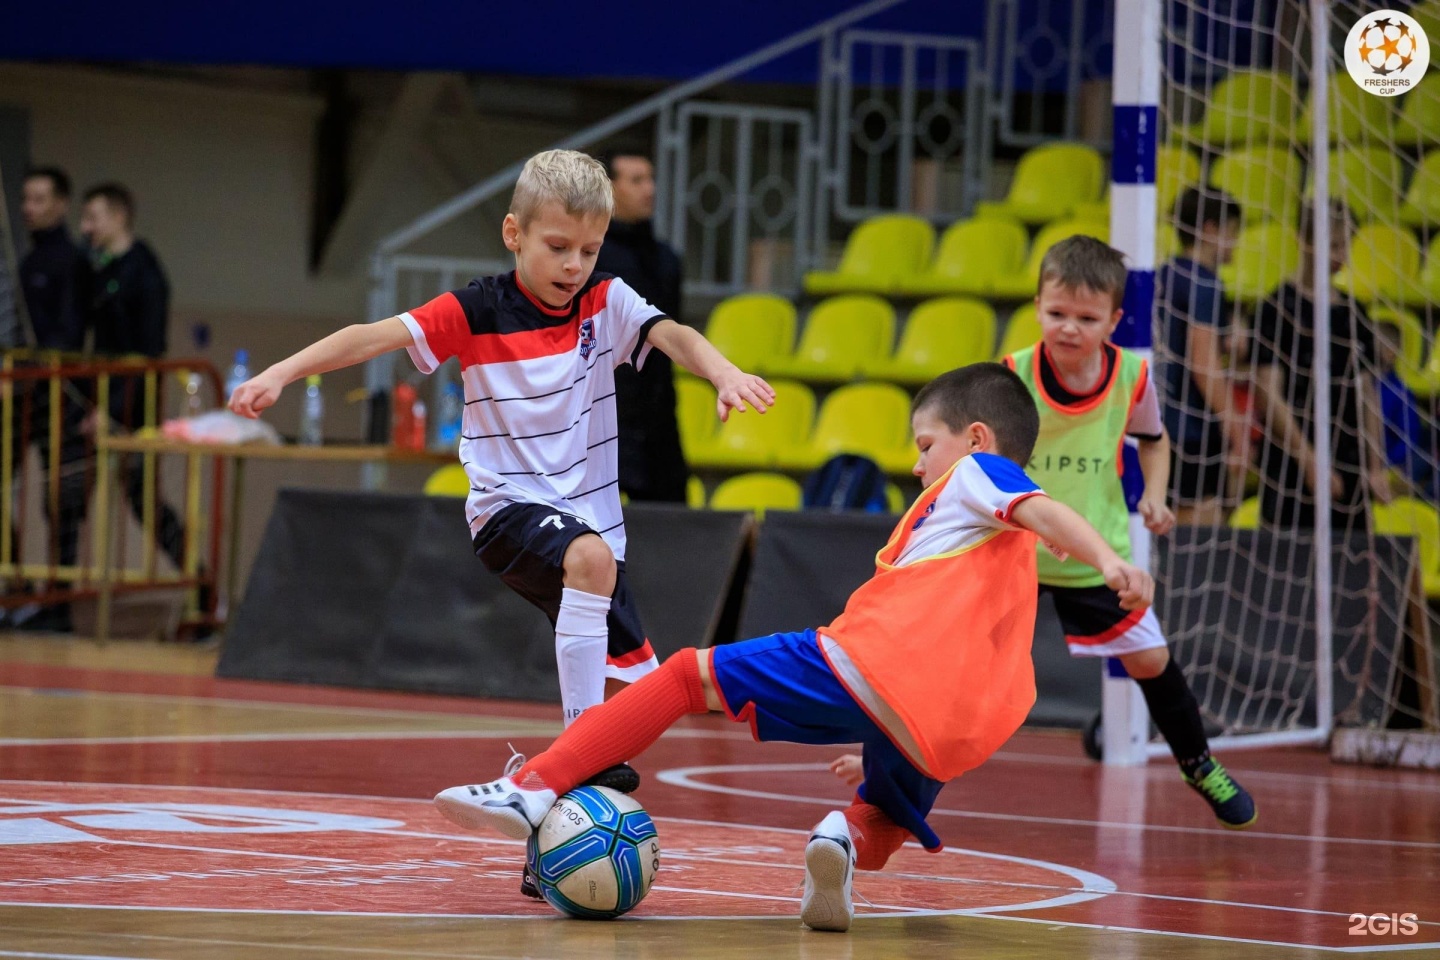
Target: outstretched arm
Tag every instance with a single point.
(1065, 529)
(343, 348)
(692, 351)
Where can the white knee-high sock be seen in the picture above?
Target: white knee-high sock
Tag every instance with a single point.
(581, 643)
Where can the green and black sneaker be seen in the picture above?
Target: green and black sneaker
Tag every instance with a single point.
(1232, 803)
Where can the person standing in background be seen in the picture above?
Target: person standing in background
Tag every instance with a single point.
(652, 465)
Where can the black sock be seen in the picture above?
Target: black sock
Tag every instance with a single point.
(1175, 711)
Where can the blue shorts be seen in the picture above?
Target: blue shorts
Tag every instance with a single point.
(783, 687)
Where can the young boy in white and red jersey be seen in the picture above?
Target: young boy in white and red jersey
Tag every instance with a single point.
(538, 348)
(928, 667)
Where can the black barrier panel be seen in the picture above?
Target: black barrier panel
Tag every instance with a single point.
(807, 565)
(377, 590)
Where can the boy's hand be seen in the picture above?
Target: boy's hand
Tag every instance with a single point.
(255, 395)
(1135, 587)
(1159, 519)
(1380, 487)
(849, 769)
(735, 389)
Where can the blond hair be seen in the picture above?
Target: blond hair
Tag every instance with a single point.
(1085, 262)
(575, 180)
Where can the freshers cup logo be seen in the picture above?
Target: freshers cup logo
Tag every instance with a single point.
(1387, 53)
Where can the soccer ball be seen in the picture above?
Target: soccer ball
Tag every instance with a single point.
(595, 854)
(1387, 46)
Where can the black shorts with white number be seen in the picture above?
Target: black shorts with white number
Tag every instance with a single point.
(524, 545)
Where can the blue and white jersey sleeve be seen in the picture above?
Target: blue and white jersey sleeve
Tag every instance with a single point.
(628, 319)
(988, 487)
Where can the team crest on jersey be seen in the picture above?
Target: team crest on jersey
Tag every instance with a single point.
(924, 516)
(587, 339)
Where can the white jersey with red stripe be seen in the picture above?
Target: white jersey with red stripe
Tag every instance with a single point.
(539, 423)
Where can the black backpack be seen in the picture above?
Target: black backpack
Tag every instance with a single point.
(847, 481)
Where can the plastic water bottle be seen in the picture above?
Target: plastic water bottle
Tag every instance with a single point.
(239, 373)
(452, 412)
(194, 404)
(312, 413)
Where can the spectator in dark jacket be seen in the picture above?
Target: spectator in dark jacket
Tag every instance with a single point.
(652, 466)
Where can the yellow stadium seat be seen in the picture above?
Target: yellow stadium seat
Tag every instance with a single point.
(1247, 515)
(752, 328)
(1265, 182)
(1265, 256)
(694, 492)
(1175, 169)
(758, 492)
(695, 414)
(1384, 265)
(448, 481)
(878, 255)
(939, 335)
(1408, 517)
(1050, 182)
(871, 419)
(1022, 285)
(753, 440)
(1422, 199)
(1356, 117)
(894, 498)
(972, 254)
(1021, 330)
(1419, 122)
(1247, 106)
(1430, 272)
(1410, 358)
(1370, 181)
(840, 335)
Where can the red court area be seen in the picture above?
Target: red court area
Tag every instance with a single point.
(209, 808)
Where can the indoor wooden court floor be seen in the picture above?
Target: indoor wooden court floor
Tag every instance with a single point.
(151, 812)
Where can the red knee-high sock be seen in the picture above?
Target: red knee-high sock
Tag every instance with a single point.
(620, 728)
(874, 834)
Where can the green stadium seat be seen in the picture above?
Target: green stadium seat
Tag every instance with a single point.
(939, 335)
(757, 492)
(1246, 106)
(1422, 199)
(1419, 121)
(1247, 515)
(841, 334)
(870, 419)
(1265, 256)
(1023, 284)
(752, 440)
(694, 493)
(752, 328)
(1368, 180)
(1430, 272)
(1021, 330)
(1175, 169)
(972, 253)
(449, 481)
(1411, 357)
(1384, 266)
(1050, 182)
(1265, 181)
(695, 414)
(1356, 117)
(879, 254)
(1408, 517)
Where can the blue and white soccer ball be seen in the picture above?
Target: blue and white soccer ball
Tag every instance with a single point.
(595, 854)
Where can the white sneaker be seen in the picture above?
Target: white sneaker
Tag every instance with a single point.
(501, 805)
(829, 872)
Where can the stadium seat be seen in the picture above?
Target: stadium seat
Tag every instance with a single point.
(840, 335)
(871, 419)
(1021, 330)
(972, 253)
(878, 254)
(1247, 515)
(752, 328)
(1247, 106)
(694, 492)
(1022, 285)
(1408, 517)
(1384, 265)
(753, 440)
(1411, 356)
(1175, 169)
(695, 414)
(757, 492)
(1050, 182)
(1419, 122)
(1422, 199)
(894, 498)
(939, 335)
(448, 481)
(1264, 181)
(1265, 256)
(1370, 181)
(1356, 117)
(1430, 272)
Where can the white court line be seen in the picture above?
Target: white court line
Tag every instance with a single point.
(685, 777)
(235, 853)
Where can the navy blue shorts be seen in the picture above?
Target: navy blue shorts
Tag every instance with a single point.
(525, 548)
(783, 687)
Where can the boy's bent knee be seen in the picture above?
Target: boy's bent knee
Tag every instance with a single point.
(1146, 664)
(589, 565)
